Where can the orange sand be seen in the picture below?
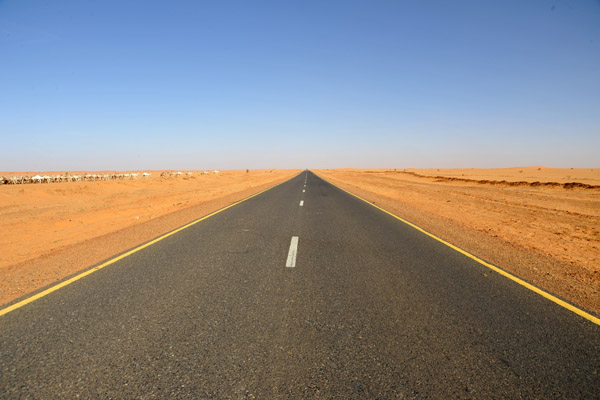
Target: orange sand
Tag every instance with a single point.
(548, 235)
(590, 176)
(39, 220)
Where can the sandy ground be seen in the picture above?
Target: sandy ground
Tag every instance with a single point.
(523, 219)
(539, 229)
(540, 174)
(51, 231)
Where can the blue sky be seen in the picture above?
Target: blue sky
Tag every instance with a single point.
(298, 84)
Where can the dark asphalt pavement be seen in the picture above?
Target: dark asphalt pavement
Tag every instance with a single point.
(373, 309)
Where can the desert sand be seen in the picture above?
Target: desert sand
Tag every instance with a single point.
(53, 230)
(543, 175)
(542, 224)
(531, 221)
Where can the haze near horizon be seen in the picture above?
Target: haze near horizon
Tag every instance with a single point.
(235, 85)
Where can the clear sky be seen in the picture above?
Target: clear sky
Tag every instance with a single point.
(117, 84)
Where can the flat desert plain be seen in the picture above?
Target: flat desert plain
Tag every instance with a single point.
(53, 230)
(542, 224)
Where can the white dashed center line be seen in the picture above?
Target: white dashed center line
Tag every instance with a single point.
(291, 259)
(301, 203)
(303, 190)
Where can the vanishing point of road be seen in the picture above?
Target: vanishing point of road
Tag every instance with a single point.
(301, 292)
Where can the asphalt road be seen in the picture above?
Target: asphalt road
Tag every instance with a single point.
(372, 309)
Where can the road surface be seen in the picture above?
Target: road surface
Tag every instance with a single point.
(361, 307)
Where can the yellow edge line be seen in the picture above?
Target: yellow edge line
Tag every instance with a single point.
(130, 252)
(513, 278)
